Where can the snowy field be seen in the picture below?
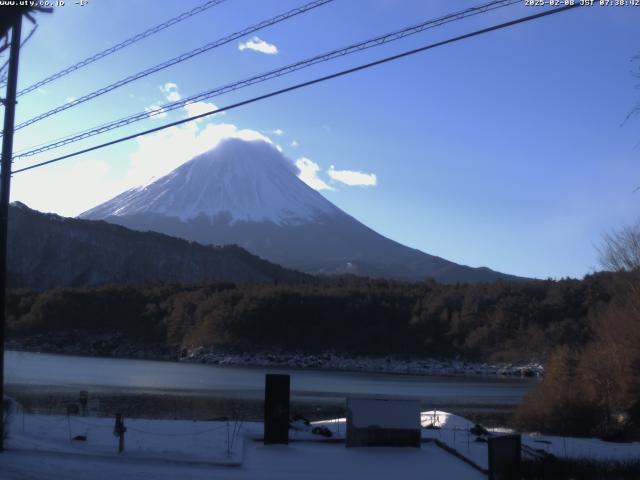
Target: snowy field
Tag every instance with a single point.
(303, 461)
(453, 430)
(201, 450)
(39, 447)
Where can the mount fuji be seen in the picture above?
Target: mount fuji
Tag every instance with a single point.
(247, 193)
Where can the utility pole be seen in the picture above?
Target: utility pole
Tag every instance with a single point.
(5, 190)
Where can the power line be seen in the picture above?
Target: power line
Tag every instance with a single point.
(181, 58)
(357, 47)
(3, 72)
(374, 42)
(306, 84)
(124, 44)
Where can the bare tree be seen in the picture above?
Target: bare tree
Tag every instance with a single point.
(636, 73)
(620, 250)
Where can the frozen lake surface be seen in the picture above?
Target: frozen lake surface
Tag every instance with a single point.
(64, 372)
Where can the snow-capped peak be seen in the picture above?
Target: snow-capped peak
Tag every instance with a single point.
(246, 180)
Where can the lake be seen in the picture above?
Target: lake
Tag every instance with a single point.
(58, 373)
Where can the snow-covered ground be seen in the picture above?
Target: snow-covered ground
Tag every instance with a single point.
(200, 450)
(174, 440)
(453, 430)
(39, 447)
(300, 461)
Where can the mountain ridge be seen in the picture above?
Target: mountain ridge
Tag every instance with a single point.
(248, 193)
(253, 182)
(47, 250)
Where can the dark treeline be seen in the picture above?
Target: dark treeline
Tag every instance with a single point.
(594, 388)
(501, 321)
(586, 331)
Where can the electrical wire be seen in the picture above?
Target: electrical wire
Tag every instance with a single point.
(308, 83)
(121, 45)
(3, 68)
(357, 47)
(180, 58)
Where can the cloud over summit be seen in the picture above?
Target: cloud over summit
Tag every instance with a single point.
(353, 177)
(309, 174)
(258, 45)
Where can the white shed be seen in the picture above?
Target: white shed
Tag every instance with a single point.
(378, 422)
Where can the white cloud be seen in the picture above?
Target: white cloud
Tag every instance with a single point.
(295, 144)
(69, 99)
(197, 108)
(258, 45)
(159, 153)
(155, 111)
(309, 174)
(89, 182)
(352, 178)
(170, 91)
(66, 189)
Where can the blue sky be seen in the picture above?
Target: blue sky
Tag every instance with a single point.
(509, 150)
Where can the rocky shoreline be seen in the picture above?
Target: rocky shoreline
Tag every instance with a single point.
(389, 364)
(115, 345)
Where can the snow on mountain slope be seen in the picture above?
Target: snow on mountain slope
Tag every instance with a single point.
(247, 193)
(249, 181)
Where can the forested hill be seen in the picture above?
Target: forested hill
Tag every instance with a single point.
(47, 251)
(503, 321)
